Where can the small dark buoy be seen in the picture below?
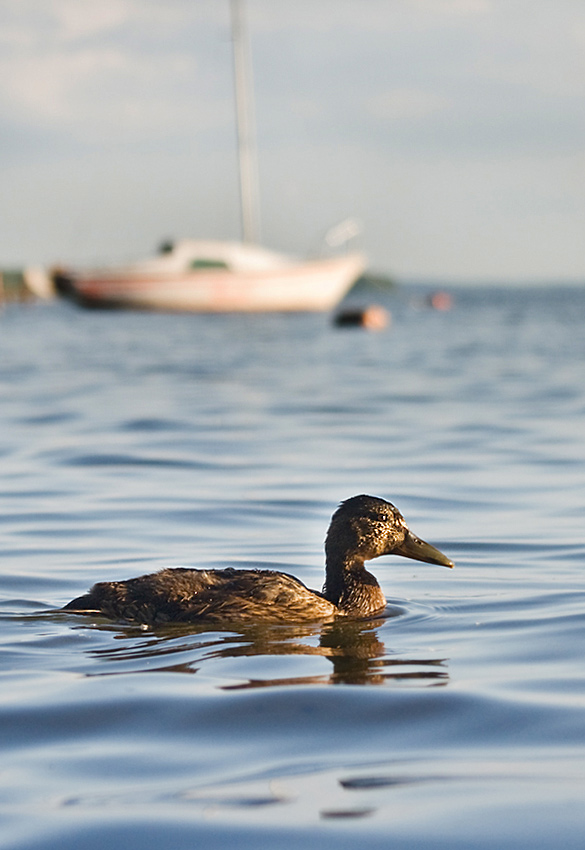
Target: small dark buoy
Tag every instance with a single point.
(372, 318)
(62, 282)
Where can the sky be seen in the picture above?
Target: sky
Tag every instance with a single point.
(453, 130)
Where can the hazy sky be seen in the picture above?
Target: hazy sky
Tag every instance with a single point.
(453, 129)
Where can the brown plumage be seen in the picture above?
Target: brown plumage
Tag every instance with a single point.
(362, 528)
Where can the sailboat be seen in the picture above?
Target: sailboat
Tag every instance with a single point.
(216, 276)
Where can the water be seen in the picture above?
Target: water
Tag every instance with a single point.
(133, 441)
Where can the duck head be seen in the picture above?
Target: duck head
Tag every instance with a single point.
(366, 527)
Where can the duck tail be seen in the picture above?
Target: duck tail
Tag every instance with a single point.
(82, 603)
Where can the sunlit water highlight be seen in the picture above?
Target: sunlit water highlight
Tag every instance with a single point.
(130, 442)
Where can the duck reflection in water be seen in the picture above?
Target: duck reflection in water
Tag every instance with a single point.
(354, 647)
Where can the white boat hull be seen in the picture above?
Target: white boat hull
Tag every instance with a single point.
(311, 286)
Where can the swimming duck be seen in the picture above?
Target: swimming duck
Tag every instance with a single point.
(362, 528)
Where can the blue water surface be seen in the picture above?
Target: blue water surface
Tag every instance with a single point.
(135, 441)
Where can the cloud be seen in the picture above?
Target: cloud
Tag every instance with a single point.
(405, 104)
(115, 72)
(374, 16)
(453, 7)
(76, 20)
(408, 114)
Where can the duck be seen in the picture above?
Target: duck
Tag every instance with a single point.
(362, 528)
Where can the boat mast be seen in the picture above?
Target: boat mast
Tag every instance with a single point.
(250, 220)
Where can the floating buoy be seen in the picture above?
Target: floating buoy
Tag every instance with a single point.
(440, 301)
(372, 318)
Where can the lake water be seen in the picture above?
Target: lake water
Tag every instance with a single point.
(134, 441)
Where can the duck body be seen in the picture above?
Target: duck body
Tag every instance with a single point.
(181, 595)
(362, 528)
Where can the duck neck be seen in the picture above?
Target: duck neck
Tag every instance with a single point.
(350, 586)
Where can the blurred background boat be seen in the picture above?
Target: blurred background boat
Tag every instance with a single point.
(216, 276)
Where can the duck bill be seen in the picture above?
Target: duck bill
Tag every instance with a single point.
(415, 548)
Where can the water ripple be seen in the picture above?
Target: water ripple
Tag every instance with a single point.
(136, 441)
